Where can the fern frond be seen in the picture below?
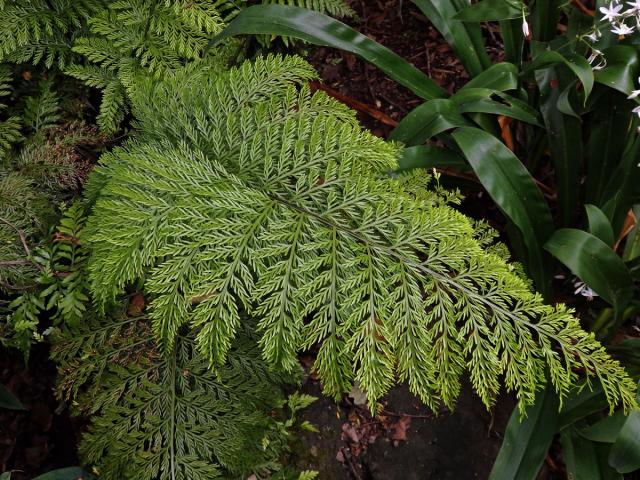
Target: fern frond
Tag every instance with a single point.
(169, 416)
(42, 111)
(246, 192)
(42, 31)
(335, 8)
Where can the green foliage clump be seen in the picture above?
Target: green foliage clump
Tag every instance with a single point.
(42, 31)
(39, 173)
(245, 192)
(158, 415)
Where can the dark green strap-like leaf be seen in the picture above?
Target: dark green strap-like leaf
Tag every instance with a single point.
(544, 19)
(605, 430)
(594, 262)
(491, 10)
(526, 442)
(576, 63)
(599, 224)
(484, 100)
(512, 188)
(465, 39)
(564, 134)
(69, 473)
(580, 405)
(607, 140)
(625, 452)
(581, 458)
(320, 29)
(501, 77)
(429, 156)
(428, 120)
(8, 400)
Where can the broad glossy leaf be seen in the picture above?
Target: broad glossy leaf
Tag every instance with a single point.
(599, 224)
(69, 473)
(625, 452)
(526, 442)
(501, 77)
(8, 400)
(427, 120)
(429, 156)
(576, 63)
(594, 262)
(605, 430)
(623, 67)
(484, 100)
(491, 10)
(465, 39)
(512, 188)
(320, 29)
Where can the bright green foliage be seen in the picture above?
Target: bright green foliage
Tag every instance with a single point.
(42, 30)
(154, 36)
(58, 283)
(169, 416)
(246, 192)
(65, 276)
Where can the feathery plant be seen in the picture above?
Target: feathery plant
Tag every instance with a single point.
(42, 31)
(157, 37)
(39, 270)
(158, 415)
(245, 192)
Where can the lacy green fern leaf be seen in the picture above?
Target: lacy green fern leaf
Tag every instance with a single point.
(169, 416)
(42, 111)
(154, 37)
(246, 192)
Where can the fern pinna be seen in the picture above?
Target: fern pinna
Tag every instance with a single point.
(246, 192)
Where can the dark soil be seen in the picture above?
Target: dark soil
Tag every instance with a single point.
(42, 437)
(405, 441)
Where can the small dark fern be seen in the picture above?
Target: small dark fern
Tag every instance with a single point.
(169, 416)
(247, 192)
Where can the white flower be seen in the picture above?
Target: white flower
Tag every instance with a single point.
(597, 55)
(584, 290)
(622, 29)
(612, 12)
(634, 94)
(595, 36)
(635, 5)
(636, 111)
(525, 27)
